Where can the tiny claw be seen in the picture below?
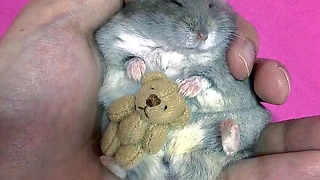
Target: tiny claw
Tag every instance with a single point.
(192, 86)
(136, 68)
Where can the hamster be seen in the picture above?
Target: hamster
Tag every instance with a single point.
(187, 40)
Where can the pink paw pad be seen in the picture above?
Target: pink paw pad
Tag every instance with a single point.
(136, 68)
(191, 86)
(230, 137)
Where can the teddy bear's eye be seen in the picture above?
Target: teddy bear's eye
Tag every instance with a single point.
(165, 107)
(152, 88)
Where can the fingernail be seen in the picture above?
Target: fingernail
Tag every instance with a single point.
(286, 77)
(247, 55)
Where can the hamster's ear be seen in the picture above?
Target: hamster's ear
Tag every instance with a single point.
(153, 76)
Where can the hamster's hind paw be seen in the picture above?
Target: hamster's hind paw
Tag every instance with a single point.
(113, 167)
(193, 86)
(136, 68)
(230, 137)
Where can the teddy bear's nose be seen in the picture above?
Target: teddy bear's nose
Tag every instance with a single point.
(153, 100)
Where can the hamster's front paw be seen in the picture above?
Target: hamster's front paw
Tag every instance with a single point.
(109, 163)
(230, 137)
(193, 86)
(136, 68)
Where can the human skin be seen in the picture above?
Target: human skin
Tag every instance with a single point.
(50, 74)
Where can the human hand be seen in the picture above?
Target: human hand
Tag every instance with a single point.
(49, 79)
(287, 150)
(271, 79)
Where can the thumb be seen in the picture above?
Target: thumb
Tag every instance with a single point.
(243, 51)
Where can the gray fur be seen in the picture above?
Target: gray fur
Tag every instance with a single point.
(172, 28)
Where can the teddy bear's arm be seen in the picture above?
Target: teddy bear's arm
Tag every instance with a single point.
(110, 143)
(181, 121)
(155, 138)
(121, 108)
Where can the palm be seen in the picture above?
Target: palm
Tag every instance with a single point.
(56, 89)
(49, 79)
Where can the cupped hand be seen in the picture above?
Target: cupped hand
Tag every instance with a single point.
(286, 150)
(271, 79)
(50, 74)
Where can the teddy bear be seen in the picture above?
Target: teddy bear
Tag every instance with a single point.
(139, 124)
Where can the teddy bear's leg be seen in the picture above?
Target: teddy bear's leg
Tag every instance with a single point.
(230, 136)
(136, 68)
(129, 156)
(154, 138)
(193, 86)
(110, 143)
(131, 129)
(113, 167)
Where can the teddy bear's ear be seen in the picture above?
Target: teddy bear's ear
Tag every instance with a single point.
(153, 76)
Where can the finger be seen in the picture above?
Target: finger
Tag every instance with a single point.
(85, 15)
(290, 136)
(243, 50)
(90, 14)
(294, 166)
(95, 12)
(271, 81)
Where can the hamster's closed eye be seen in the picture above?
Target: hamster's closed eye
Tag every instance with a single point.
(175, 2)
(181, 3)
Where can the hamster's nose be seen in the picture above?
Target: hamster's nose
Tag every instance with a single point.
(202, 34)
(153, 100)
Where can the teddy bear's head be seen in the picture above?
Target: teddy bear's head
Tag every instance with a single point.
(159, 100)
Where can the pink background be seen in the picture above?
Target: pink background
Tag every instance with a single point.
(289, 32)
